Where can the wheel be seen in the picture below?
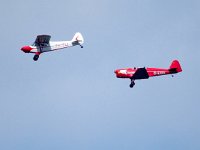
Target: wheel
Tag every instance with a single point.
(132, 84)
(35, 58)
(81, 46)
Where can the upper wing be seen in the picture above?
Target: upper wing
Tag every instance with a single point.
(141, 73)
(42, 40)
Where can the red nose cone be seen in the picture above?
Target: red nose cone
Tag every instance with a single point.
(26, 49)
(116, 71)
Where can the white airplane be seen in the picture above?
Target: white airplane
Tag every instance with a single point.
(43, 44)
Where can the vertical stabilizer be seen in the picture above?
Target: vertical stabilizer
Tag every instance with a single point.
(78, 38)
(175, 67)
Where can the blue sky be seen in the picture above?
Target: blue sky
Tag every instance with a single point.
(70, 99)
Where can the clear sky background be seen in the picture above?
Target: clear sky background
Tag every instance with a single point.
(71, 99)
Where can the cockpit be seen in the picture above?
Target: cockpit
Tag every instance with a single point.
(41, 44)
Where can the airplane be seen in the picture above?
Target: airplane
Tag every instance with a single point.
(145, 73)
(43, 44)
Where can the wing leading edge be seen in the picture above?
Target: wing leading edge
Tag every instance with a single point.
(141, 73)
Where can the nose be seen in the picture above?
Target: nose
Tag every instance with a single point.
(26, 49)
(116, 71)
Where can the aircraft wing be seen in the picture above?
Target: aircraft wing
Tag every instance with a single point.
(42, 40)
(141, 73)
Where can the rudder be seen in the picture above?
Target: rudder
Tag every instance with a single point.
(78, 37)
(175, 66)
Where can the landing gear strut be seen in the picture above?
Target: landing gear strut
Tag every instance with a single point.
(132, 84)
(37, 54)
(35, 58)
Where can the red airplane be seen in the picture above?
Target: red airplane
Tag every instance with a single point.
(145, 73)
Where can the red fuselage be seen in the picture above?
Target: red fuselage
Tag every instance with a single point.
(145, 73)
(129, 72)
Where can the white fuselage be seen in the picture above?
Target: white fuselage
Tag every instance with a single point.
(52, 46)
(43, 44)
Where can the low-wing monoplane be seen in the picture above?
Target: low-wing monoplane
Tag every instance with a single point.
(43, 44)
(145, 73)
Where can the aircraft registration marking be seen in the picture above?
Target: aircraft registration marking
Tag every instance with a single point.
(158, 72)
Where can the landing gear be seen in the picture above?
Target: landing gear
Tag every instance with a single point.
(35, 58)
(81, 46)
(37, 54)
(132, 84)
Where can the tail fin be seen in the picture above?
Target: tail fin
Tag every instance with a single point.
(175, 67)
(78, 38)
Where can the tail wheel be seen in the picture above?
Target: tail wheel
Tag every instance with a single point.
(35, 58)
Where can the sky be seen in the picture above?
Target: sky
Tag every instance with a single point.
(71, 99)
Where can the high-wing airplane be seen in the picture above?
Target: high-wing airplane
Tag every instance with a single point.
(145, 73)
(43, 44)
